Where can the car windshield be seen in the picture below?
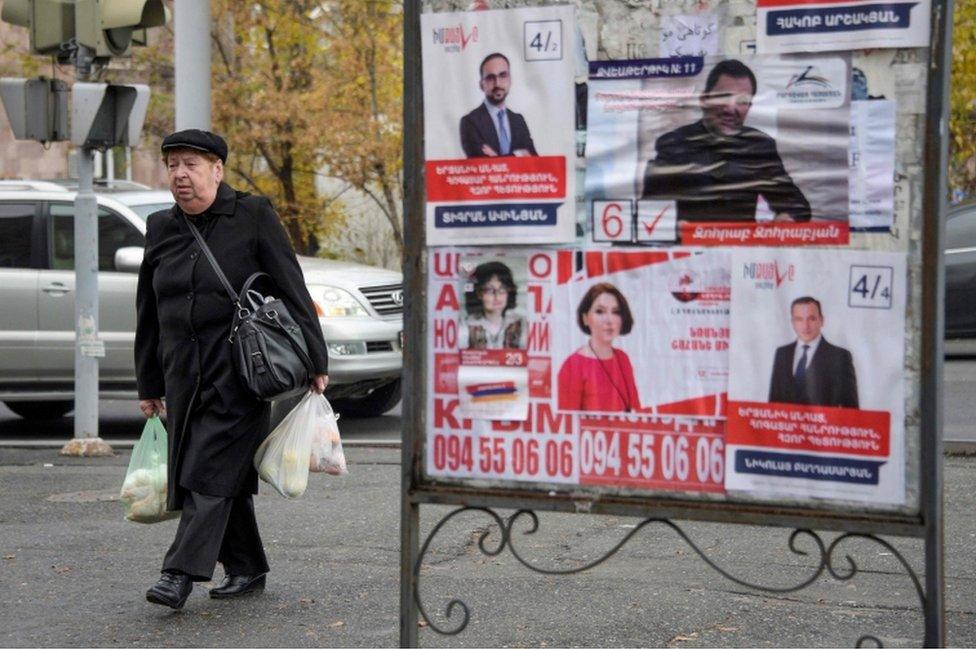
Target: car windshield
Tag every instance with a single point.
(145, 210)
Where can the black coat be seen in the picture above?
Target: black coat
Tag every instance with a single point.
(830, 378)
(716, 178)
(181, 347)
(477, 128)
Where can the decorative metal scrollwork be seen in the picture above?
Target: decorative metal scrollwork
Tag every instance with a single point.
(825, 555)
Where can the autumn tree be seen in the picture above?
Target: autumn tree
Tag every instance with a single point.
(363, 44)
(962, 102)
(269, 89)
(307, 88)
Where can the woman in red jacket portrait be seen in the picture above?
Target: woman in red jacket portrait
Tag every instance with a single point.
(597, 376)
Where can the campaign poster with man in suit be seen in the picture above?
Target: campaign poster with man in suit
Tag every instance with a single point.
(816, 375)
(499, 125)
(720, 150)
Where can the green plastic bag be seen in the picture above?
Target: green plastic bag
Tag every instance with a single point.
(144, 489)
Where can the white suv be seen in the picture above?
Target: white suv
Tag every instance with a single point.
(362, 305)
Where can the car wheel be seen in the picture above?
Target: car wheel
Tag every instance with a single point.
(41, 410)
(374, 404)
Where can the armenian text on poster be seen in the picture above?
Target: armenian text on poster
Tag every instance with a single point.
(816, 375)
(831, 25)
(499, 125)
(609, 451)
(718, 150)
(642, 331)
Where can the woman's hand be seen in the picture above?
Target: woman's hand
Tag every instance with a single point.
(150, 407)
(319, 383)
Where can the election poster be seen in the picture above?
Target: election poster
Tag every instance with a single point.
(656, 449)
(538, 445)
(493, 336)
(816, 375)
(643, 331)
(748, 150)
(830, 25)
(499, 125)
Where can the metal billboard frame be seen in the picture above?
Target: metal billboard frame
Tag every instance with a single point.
(417, 491)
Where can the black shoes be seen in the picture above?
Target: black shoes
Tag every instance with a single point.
(237, 585)
(171, 590)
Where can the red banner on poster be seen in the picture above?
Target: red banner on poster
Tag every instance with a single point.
(508, 178)
(809, 428)
(652, 454)
(765, 234)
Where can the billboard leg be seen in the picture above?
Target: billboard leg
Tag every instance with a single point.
(935, 635)
(409, 549)
(87, 346)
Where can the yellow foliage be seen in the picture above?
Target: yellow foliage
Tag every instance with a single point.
(300, 89)
(962, 102)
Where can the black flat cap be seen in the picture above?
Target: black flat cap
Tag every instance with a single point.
(194, 138)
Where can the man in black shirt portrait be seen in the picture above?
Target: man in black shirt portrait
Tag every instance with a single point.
(717, 168)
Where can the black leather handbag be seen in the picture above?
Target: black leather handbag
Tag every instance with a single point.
(270, 354)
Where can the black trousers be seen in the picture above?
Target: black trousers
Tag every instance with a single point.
(212, 529)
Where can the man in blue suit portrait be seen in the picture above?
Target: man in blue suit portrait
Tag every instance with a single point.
(492, 129)
(810, 370)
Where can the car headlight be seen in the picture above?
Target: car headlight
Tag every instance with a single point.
(332, 302)
(357, 348)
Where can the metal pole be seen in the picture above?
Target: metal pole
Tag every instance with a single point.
(109, 164)
(415, 309)
(191, 24)
(88, 347)
(933, 326)
(86, 299)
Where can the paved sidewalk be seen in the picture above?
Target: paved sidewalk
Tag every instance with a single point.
(73, 573)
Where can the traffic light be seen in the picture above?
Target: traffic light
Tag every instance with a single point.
(51, 22)
(104, 116)
(37, 109)
(109, 27)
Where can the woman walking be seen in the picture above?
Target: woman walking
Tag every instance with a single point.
(182, 354)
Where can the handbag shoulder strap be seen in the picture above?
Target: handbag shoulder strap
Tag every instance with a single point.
(248, 282)
(213, 262)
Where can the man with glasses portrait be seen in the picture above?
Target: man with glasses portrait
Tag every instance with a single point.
(492, 129)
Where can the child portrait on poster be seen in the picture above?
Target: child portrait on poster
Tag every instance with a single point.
(598, 377)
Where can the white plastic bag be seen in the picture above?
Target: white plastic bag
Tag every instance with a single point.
(282, 459)
(327, 455)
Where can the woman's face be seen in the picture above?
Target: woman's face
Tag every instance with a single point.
(603, 318)
(494, 295)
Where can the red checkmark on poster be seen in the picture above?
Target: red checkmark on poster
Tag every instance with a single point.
(649, 227)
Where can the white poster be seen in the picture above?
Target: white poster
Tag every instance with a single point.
(487, 392)
(499, 125)
(831, 25)
(689, 35)
(749, 150)
(643, 332)
(816, 375)
(872, 164)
